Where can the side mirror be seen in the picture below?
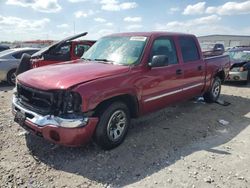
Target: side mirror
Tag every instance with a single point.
(159, 61)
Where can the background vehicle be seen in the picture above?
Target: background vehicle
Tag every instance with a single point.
(240, 64)
(65, 50)
(120, 77)
(9, 61)
(4, 47)
(210, 50)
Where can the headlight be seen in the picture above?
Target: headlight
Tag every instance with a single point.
(71, 102)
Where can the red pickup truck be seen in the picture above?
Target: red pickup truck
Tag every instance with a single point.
(122, 76)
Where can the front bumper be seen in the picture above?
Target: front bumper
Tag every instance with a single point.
(237, 76)
(55, 129)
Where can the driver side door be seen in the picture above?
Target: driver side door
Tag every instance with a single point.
(163, 85)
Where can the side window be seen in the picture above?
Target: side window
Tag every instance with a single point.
(189, 49)
(164, 46)
(18, 55)
(64, 50)
(80, 49)
(30, 52)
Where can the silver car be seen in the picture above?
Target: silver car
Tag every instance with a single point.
(240, 64)
(9, 61)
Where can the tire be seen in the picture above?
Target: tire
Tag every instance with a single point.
(214, 92)
(24, 65)
(11, 77)
(108, 133)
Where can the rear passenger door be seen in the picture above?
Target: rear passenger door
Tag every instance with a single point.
(193, 66)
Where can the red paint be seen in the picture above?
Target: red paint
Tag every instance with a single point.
(67, 136)
(39, 62)
(98, 82)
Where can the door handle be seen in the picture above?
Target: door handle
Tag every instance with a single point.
(199, 68)
(178, 71)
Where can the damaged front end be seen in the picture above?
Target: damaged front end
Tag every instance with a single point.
(55, 115)
(239, 72)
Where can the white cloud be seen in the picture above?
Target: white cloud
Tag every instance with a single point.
(104, 32)
(109, 24)
(77, 1)
(198, 8)
(132, 19)
(196, 26)
(48, 6)
(114, 5)
(79, 14)
(174, 9)
(134, 27)
(63, 26)
(230, 8)
(102, 20)
(22, 29)
(16, 23)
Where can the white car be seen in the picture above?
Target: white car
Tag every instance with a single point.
(9, 61)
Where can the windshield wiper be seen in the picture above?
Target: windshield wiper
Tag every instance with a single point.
(86, 59)
(105, 61)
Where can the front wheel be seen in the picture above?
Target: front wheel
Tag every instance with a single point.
(113, 125)
(213, 94)
(11, 77)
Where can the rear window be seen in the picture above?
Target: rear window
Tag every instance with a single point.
(189, 49)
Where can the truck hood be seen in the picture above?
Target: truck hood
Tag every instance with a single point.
(63, 76)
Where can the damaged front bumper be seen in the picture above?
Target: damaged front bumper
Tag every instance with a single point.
(237, 76)
(68, 132)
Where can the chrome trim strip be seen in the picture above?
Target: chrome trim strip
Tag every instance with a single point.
(172, 92)
(42, 121)
(193, 86)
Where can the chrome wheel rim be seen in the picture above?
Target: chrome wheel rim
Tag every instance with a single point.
(116, 125)
(216, 89)
(13, 77)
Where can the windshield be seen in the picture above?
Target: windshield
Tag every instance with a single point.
(239, 55)
(117, 50)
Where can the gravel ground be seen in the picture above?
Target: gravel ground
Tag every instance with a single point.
(180, 146)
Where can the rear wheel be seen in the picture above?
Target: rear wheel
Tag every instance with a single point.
(11, 77)
(213, 94)
(113, 125)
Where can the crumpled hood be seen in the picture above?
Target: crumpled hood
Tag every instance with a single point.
(63, 76)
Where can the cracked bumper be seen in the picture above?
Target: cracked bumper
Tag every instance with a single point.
(237, 76)
(67, 132)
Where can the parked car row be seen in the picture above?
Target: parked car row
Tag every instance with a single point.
(122, 76)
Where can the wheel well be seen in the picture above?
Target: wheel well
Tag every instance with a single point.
(129, 100)
(221, 75)
(8, 74)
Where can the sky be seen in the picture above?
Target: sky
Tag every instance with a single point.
(56, 19)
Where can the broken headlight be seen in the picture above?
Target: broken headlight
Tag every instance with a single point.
(71, 102)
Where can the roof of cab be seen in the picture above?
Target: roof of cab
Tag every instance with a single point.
(148, 34)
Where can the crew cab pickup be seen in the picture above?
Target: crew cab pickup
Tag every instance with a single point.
(122, 76)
